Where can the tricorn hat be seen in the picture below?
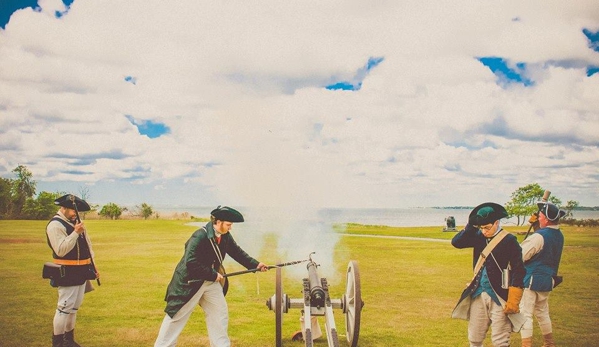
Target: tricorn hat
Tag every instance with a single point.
(227, 214)
(550, 210)
(73, 202)
(486, 213)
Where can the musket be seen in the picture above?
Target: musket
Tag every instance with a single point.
(72, 198)
(268, 267)
(545, 198)
(257, 269)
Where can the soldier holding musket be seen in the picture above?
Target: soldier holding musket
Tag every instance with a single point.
(72, 251)
(541, 253)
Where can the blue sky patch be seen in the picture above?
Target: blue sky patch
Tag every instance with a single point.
(131, 79)
(506, 74)
(356, 82)
(344, 86)
(8, 7)
(149, 128)
(593, 38)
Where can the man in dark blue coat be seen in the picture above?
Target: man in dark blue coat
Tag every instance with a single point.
(541, 253)
(197, 281)
(487, 302)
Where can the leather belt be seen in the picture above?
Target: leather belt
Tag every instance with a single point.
(73, 262)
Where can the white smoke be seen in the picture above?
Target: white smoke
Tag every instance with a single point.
(296, 233)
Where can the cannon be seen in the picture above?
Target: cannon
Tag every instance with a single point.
(316, 302)
(450, 222)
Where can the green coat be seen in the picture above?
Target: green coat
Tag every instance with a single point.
(199, 262)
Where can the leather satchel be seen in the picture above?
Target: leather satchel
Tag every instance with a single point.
(52, 271)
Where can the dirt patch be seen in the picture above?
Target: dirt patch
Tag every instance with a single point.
(19, 241)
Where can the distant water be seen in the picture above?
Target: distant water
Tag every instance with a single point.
(400, 217)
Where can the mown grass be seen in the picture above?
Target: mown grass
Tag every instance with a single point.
(409, 288)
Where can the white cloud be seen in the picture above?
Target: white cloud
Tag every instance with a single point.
(240, 86)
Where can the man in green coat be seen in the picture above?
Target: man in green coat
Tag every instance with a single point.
(197, 281)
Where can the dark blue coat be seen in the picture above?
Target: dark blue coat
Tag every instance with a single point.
(506, 251)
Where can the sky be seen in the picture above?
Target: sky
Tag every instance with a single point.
(301, 104)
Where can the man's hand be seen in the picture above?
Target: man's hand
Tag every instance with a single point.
(513, 300)
(263, 267)
(534, 221)
(79, 228)
(533, 218)
(219, 277)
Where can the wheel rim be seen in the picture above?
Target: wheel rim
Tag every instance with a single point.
(353, 303)
(278, 309)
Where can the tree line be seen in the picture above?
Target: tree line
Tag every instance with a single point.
(18, 200)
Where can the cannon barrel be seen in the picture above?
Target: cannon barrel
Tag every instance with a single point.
(317, 294)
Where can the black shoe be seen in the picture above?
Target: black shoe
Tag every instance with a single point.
(69, 339)
(57, 340)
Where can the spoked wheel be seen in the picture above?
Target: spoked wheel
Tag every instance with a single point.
(279, 309)
(352, 303)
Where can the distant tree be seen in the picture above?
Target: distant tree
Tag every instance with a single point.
(23, 187)
(144, 210)
(524, 202)
(570, 205)
(85, 195)
(5, 198)
(42, 207)
(112, 211)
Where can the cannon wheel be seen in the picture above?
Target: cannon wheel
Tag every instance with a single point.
(353, 303)
(278, 309)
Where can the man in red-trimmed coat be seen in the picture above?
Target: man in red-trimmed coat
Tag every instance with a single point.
(197, 281)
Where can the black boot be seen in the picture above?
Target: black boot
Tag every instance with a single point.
(69, 339)
(57, 340)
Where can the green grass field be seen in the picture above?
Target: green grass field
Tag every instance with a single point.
(409, 288)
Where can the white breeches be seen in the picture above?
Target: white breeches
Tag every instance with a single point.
(210, 297)
(537, 304)
(69, 301)
(485, 313)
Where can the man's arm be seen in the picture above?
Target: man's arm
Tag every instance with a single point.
(517, 265)
(59, 240)
(465, 238)
(516, 287)
(531, 246)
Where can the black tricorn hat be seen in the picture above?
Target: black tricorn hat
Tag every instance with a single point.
(550, 210)
(486, 213)
(73, 202)
(227, 214)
